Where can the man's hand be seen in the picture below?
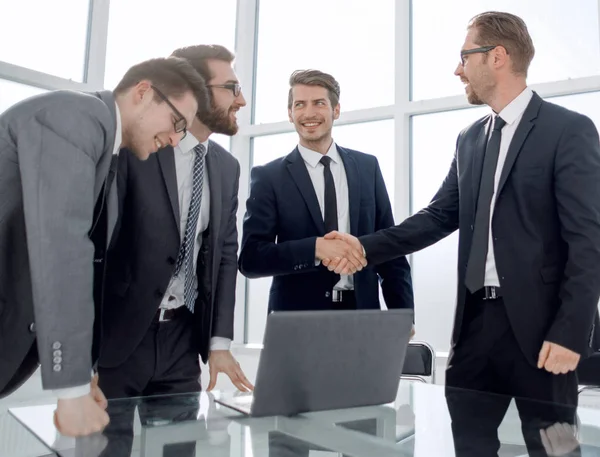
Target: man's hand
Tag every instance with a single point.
(412, 332)
(332, 249)
(80, 416)
(344, 265)
(559, 439)
(223, 362)
(557, 359)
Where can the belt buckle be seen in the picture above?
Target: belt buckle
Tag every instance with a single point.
(161, 316)
(490, 293)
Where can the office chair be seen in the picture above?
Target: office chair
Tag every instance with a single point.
(588, 373)
(419, 365)
(419, 362)
(588, 370)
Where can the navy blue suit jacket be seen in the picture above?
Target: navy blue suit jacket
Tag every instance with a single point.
(283, 221)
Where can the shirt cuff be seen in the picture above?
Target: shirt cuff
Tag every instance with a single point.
(218, 343)
(72, 392)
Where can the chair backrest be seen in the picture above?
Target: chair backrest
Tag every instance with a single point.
(588, 371)
(419, 362)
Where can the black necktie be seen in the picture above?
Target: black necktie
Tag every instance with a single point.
(330, 218)
(475, 274)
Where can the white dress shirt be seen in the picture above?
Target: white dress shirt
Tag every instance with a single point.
(184, 162)
(80, 391)
(512, 114)
(315, 171)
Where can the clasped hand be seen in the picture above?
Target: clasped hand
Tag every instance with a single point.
(341, 253)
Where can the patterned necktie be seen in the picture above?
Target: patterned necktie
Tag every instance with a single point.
(185, 258)
(475, 274)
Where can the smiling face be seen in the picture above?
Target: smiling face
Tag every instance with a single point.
(153, 124)
(312, 115)
(222, 117)
(476, 71)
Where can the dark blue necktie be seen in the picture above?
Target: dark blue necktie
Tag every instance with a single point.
(475, 274)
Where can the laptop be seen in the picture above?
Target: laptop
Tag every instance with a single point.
(324, 360)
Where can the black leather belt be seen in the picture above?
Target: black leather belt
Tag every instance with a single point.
(342, 296)
(488, 293)
(165, 315)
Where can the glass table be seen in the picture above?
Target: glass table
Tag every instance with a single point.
(416, 424)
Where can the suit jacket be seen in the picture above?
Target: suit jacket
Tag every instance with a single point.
(142, 254)
(545, 226)
(55, 152)
(283, 220)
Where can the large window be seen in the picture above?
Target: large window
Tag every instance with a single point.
(376, 138)
(351, 39)
(47, 36)
(139, 30)
(11, 93)
(565, 39)
(434, 268)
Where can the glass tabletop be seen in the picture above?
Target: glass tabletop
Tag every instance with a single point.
(417, 423)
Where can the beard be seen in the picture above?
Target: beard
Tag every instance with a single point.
(473, 98)
(219, 121)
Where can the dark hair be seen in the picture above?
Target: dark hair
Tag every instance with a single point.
(509, 31)
(315, 78)
(172, 76)
(198, 56)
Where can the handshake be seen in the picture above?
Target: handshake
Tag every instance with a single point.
(341, 253)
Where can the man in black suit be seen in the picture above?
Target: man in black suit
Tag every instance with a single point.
(295, 200)
(524, 192)
(170, 273)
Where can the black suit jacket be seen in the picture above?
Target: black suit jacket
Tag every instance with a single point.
(546, 225)
(283, 221)
(141, 259)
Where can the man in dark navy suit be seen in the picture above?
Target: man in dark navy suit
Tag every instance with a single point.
(319, 187)
(523, 191)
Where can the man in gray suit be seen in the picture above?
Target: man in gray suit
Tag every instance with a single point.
(171, 272)
(55, 153)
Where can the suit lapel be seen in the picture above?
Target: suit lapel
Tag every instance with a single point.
(519, 138)
(166, 159)
(478, 155)
(213, 167)
(297, 169)
(353, 180)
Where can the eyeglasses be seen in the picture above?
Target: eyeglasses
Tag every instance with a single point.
(467, 52)
(233, 87)
(180, 124)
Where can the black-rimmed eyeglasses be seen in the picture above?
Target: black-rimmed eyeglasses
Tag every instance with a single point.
(233, 87)
(180, 124)
(467, 52)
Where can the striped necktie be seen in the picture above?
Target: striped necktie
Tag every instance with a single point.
(185, 258)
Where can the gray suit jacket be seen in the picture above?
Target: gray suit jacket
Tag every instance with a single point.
(142, 255)
(55, 152)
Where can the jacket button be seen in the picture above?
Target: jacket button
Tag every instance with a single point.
(170, 260)
(56, 368)
(56, 345)
(328, 294)
(32, 327)
(57, 360)
(57, 354)
(295, 267)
